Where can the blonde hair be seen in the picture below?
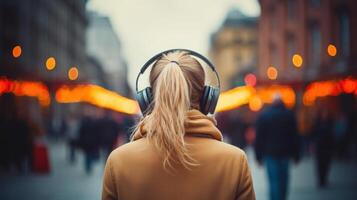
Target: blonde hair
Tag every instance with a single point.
(177, 82)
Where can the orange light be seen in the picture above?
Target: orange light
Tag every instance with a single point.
(328, 88)
(250, 79)
(267, 93)
(50, 63)
(331, 50)
(349, 85)
(297, 60)
(73, 73)
(16, 51)
(308, 99)
(255, 103)
(272, 73)
(26, 88)
(234, 98)
(97, 96)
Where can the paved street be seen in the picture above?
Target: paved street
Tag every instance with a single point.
(68, 182)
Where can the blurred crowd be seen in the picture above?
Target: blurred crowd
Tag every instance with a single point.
(325, 132)
(25, 138)
(96, 133)
(280, 136)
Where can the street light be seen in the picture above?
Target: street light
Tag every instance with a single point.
(331, 50)
(73, 73)
(50, 63)
(272, 73)
(16, 51)
(297, 60)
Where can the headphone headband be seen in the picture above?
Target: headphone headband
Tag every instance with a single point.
(210, 94)
(192, 53)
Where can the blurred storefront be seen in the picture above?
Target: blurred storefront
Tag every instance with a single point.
(42, 29)
(305, 42)
(48, 45)
(41, 41)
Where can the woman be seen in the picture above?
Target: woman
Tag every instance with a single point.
(176, 151)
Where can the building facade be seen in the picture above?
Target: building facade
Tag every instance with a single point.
(42, 29)
(320, 32)
(234, 48)
(104, 45)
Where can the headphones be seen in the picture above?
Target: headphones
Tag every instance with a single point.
(210, 95)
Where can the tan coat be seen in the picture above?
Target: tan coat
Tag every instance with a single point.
(135, 172)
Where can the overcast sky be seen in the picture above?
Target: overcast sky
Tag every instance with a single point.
(146, 27)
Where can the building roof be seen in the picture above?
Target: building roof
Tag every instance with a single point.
(236, 18)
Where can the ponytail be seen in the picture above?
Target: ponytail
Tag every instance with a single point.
(165, 125)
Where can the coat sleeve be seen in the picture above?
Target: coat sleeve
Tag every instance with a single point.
(108, 189)
(245, 190)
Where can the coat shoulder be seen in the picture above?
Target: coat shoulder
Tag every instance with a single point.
(128, 149)
(228, 150)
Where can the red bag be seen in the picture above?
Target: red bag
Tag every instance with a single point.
(40, 161)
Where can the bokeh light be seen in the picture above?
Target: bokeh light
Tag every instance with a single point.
(50, 63)
(16, 51)
(73, 73)
(250, 79)
(234, 98)
(328, 88)
(331, 50)
(98, 96)
(26, 88)
(255, 103)
(272, 73)
(297, 60)
(348, 85)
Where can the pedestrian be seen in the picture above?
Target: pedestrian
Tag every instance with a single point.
(15, 139)
(323, 137)
(89, 140)
(72, 135)
(340, 135)
(176, 151)
(233, 127)
(109, 132)
(276, 143)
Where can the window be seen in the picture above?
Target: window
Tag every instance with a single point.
(344, 34)
(315, 3)
(291, 50)
(315, 48)
(291, 4)
(273, 17)
(274, 60)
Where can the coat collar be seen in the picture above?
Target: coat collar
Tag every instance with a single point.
(197, 125)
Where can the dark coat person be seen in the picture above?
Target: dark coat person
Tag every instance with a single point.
(323, 137)
(276, 143)
(109, 130)
(89, 141)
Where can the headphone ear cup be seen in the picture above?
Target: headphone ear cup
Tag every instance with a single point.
(144, 98)
(214, 92)
(209, 99)
(204, 100)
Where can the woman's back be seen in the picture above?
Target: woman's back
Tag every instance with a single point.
(176, 150)
(135, 171)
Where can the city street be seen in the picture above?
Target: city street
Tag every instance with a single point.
(66, 182)
(80, 74)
